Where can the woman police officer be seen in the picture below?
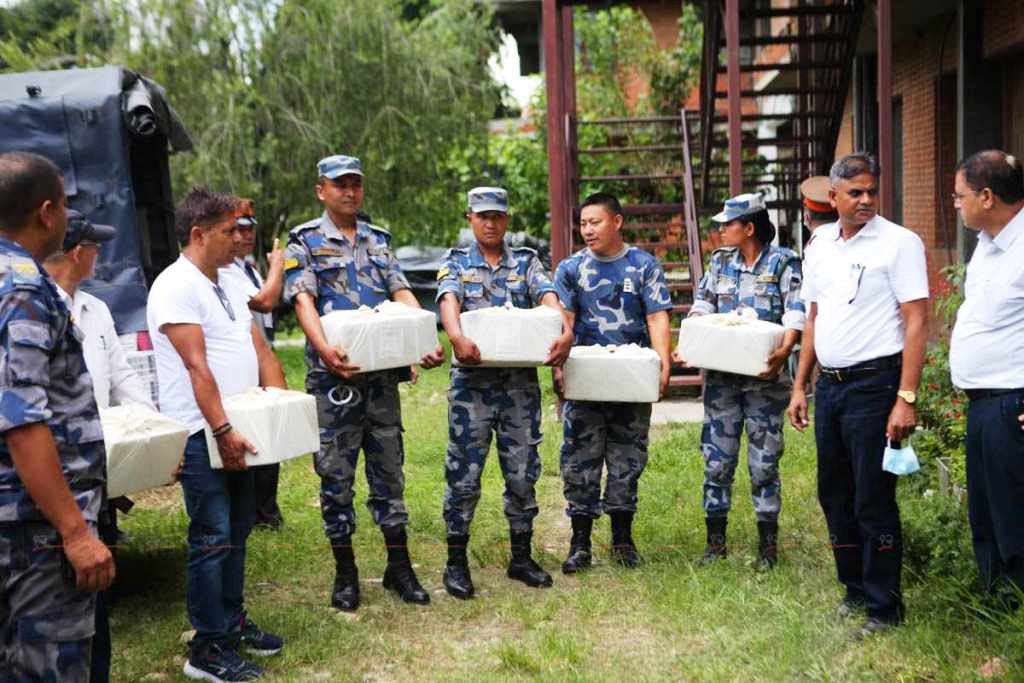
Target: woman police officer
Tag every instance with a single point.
(748, 275)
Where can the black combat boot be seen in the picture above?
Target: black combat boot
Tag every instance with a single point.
(579, 557)
(457, 580)
(715, 548)
(522, 567)
(345, 595)
(767, 544)
(623, 549)
(399, 575)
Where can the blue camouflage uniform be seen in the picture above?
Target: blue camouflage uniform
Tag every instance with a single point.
(363, 411)
(611, 299)
(505, 401)
(731, 402)
(46, 623)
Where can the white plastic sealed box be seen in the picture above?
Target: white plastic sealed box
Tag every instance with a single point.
(281, 424)
(391, 335)
(512, 337)
(728, 342)
(144, 448)
(617, 374)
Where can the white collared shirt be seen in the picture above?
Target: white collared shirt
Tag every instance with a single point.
(114, 382)
(858, 285)
(986, 350)
(182, 294)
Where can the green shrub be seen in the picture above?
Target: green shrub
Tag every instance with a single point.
(936, 537)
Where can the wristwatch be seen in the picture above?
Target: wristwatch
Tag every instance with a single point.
(908, 396)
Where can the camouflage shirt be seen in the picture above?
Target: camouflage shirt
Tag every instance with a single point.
(771, 286)
(612, 297)
(519, 278)
(43, 378)
(339, 274)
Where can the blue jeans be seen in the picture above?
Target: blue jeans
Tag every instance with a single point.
(856, 495)
(220, 510)
(995, 487)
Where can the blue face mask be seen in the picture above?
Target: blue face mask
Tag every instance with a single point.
(900, 460)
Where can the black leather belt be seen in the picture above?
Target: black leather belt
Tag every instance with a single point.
(978, 394)
(868, 367)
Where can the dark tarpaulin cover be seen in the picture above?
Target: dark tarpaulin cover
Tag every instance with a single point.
(75, 117)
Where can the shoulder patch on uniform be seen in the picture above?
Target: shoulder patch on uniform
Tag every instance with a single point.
(290, 263)
(443, 273)
(379, 229)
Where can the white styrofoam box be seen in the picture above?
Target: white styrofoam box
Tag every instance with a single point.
(144, 365)
(144, 448)
(618, 374)
(512, 337)
(728, 342)
(281, 424)
(391, 335)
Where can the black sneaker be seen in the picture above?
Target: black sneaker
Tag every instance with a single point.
(256, 642)
(218, 664)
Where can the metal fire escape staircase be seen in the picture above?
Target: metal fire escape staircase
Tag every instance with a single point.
(652, 160)
(803, 61)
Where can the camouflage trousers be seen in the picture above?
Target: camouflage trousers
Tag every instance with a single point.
(46, 623)
(729, 408)
(513, 415)
(359, 413)
(599, 436)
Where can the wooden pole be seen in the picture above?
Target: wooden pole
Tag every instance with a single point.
(554, 80)
(885, 135)
(732, 47)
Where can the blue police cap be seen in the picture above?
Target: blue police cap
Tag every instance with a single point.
(488, 199)
(81, 229)
(338, 165)
(739, 206)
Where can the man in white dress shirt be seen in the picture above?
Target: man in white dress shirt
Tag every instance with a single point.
(867, 325)
(986, 359)
(262, 296)
(114, 382)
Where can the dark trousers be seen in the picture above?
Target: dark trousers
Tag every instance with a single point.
(857, 496)
(995, 486)
(219, 507)
(265, 478)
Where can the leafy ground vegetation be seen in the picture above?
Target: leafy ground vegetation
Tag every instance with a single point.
(668, 620)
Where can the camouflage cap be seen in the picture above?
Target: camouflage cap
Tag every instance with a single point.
(338, 165)
(81, 229)
(739, 206)
(487, 199)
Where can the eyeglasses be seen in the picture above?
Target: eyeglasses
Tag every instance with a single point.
(224, 302)
(957, 197)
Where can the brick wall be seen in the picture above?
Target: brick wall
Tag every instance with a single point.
(1004, 27)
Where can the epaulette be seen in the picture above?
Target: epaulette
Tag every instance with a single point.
(315, 223)
(787, 253)
(724, 251)
(23, 271)
(527, 250)
(460, 251)
(377, 228)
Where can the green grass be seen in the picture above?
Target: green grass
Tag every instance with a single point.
(668, 620)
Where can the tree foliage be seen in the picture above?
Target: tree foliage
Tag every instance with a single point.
(267, 89)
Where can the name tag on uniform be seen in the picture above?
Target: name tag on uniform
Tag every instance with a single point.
(469, 277)
(515, 277)
(326, 251)
(726, 282)
(628, 286)
(377, 251)
(768, 278)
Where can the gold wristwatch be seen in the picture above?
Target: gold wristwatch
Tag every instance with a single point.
(908, 396)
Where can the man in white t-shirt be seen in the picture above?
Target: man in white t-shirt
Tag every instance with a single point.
(262, 296)
(208, 348)
(867, 325)
(986, 360)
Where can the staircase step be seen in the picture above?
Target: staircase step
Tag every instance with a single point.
(775, 92)
(791, 39)
(629, 178)
(631, 149)
(790, 66)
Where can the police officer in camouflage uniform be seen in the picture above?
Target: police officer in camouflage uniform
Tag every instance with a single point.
(52, 459)
(747, 274)
(505, 401)
(335, 263)
(613, 294)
